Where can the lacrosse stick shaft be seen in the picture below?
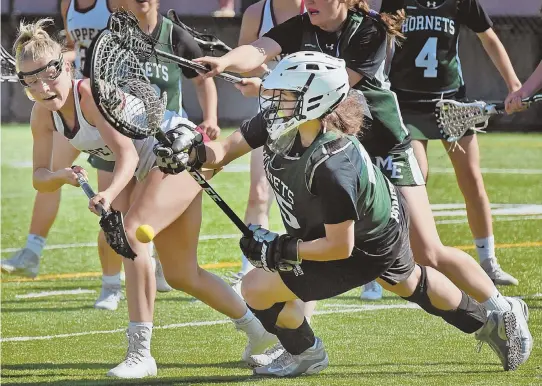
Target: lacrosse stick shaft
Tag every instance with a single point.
(89, 192)
(212, 193)
(196, 66)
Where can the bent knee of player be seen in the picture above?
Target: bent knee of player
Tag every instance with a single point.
(406, 287)
(255, 292)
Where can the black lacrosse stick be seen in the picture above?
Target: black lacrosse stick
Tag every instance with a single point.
(111, 222)
(207, 42)
(124, 26)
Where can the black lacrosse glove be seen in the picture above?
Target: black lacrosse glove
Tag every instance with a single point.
(175, 158)
(269, 250)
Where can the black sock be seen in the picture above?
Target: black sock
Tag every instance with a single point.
(298, 340)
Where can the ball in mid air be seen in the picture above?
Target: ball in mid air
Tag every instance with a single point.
(145, 233)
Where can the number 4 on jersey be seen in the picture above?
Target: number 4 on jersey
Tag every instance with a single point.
(427, 58)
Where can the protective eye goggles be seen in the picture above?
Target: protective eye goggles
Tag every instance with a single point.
(49, 72)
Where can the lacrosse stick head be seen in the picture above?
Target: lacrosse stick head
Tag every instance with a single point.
(455, 118)
(124, 25)
(121, 90)
(8, 67)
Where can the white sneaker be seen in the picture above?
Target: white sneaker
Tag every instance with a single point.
(138, 363)
(521, 311)
(371, 291)
(267, 357)
(24, 262)
(110, 297)
(161, 283)
(495, 273)
(235, 280)
(258, 338)
(310, 361)
(501, 333)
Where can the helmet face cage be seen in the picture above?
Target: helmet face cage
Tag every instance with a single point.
(277, 109)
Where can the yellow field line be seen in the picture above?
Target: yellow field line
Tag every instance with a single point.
(75, 275)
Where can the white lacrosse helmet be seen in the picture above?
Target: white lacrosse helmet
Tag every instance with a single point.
(319, 82)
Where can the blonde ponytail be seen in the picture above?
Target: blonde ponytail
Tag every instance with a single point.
(33, 42)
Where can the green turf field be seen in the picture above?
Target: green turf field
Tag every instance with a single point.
(63, 340)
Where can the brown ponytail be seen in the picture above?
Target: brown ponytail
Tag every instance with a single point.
(347, 117)
(392, 22)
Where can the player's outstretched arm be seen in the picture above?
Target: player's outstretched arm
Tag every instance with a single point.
(242, 59)
(44, 179)
(499, 57)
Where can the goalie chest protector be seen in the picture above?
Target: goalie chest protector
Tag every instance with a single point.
(428, 61)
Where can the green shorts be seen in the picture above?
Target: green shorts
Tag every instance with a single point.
(401, 168)
(422, 122)
(101, 164)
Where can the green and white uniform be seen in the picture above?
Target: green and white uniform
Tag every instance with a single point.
(362, 44)
(426, 65)
(330, 182)
(166, 76)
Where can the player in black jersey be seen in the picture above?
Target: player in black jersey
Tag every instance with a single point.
(359, 36)
(346, 223)
(426, 66)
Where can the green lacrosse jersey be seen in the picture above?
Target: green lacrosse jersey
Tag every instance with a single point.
(331, 181)
(164, 75)
(427, 61)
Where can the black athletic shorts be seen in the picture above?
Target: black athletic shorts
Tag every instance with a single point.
(322, 280)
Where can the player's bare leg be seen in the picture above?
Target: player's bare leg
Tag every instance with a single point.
(26, 262)
(437, 295)
(171, 215)
(469, 178)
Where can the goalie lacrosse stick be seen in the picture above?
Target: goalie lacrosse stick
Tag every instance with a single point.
(112, 223)
(207, 42)
(130, 37)
(129, 103)
(9, 72)
(455, 118)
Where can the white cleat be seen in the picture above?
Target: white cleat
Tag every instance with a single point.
(521, 311)
(372, 291)
(24, 262)
(138, 363)
(311, 361)
(161, 282)
(501, 333)
(109, 299)
(495, 273)
(267, 357)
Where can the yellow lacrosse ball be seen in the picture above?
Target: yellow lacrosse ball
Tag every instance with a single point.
(145, 233)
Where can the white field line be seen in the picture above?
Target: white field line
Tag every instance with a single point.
(236, 235)
(360, 308)
(54, 293)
